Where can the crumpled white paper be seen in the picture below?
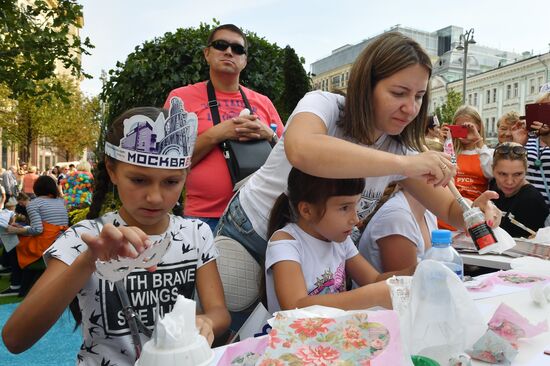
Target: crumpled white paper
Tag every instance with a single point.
(116, 269)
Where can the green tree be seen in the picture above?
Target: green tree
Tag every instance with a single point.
(33, 39)
(296, 82)
(69, 123)
(446, 111)
(176, 59)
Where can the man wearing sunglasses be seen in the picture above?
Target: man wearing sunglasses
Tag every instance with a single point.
(209, 186)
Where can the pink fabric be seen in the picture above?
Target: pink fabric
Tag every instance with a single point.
(510, 325)
(510, 278)
(237, 353)
(209, 187)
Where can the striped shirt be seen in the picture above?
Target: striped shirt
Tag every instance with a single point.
(51, 210)
(534, 174)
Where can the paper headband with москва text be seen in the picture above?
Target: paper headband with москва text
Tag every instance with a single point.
(164, 143)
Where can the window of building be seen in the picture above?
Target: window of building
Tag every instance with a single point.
(470, 99)
(488, 97)
(475, 99)
(494, 95)
(516, 87)
(336, 81)
(541, 82)
(508, 91)
(532, 87)
(493, 122)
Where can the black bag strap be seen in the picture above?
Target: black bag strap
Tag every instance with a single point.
(213, 102)
(213, 105)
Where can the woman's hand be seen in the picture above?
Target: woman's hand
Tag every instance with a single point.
(444, 131)
(492, 213)
(114, 242)
(204, 326)
(519, 133)
(473, 135)
(435, 167)
(540, 128)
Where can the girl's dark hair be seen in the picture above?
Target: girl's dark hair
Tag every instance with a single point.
(384, 56)
(46, 186)
(303, 187)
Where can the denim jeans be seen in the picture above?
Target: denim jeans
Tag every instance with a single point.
(236, 225)
(210, 221)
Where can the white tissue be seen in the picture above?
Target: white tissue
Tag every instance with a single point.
(532, 265)
(540, 294)
(504, 242)
(543, 235)
(177, 328)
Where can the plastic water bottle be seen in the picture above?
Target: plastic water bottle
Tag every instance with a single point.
(443, 252)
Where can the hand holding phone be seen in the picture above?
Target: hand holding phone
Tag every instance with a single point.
(539, 112)
(458, 131)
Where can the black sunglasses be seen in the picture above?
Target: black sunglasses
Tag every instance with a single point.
(506, 149)
(221, 45)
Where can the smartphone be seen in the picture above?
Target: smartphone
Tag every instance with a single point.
(458, 131)
(537, 112)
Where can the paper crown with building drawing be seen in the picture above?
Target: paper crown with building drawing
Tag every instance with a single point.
(164, 143)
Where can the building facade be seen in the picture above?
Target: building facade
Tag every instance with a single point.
(331, 73)
(497, 91)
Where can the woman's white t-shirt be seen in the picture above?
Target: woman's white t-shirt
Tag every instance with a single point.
(259, 193)
(393, 218)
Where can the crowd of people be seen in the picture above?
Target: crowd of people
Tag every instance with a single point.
(339, 159)
(36, 209)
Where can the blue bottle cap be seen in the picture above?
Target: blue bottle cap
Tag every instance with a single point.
(441, 237)
(273, 126)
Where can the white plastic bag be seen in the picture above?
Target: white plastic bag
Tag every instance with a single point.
(443, 319)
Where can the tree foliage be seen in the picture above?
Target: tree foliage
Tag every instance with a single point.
(33, 40)
(296, 82)
(69, 124)
(176, 59)
(446, 111)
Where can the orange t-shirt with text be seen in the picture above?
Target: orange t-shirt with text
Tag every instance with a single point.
(469, 180)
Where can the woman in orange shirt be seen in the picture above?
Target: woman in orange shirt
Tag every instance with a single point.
(474, 159)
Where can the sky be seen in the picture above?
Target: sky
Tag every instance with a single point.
(312, 28)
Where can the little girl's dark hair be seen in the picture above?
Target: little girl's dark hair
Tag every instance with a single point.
(303, 187)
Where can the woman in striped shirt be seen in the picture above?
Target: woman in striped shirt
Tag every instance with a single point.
(48, 218)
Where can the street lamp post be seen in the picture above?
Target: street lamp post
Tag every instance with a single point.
(465, 39)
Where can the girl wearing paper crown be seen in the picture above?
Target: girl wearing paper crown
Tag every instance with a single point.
(141, 256)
